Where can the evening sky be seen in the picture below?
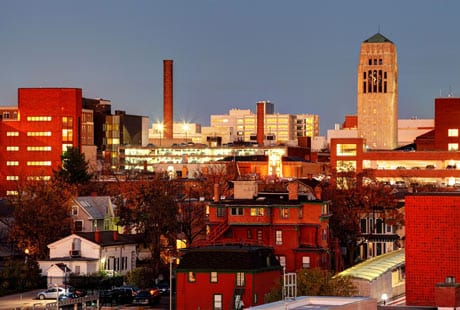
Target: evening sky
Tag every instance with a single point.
(301, 55)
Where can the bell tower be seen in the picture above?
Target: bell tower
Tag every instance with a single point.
(378, 93)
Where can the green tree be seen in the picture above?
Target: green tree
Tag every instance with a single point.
(317, 282)
(41, 215)
(74, 168)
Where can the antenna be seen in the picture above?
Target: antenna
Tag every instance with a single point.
(450, 94)
(378, 29)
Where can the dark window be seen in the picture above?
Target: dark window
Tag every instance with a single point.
(370, 62)
(221, 212)
(375, 61)
(249, 234)
(380, 61)
(364, 87)
(78, 225)
(385, 86)
(363, 226)
(237, 211)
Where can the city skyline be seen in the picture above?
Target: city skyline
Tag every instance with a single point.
(300, 55)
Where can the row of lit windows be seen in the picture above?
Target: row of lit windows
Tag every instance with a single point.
(29, 178)
(12, 133)
(39, 163)
(39, 118)
(39, 134)
(29, 148)
(39, 148)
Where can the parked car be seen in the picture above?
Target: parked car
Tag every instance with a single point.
(164, 288)
(68, 295)
(149, 296)
(51, 293)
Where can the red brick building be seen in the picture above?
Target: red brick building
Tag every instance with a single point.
(432, 245)
(47, 121)
(294, 223)
(220, 277)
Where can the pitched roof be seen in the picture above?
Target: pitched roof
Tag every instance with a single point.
(377, 38)
(108, 238)
(96, 206)
(229, 257)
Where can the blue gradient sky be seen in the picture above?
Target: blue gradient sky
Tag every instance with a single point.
(302, 55)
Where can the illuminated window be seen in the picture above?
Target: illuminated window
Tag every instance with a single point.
(284, 213)
(12, 193)
(282, 260)
(39, 134)
(257, 211)
(12, 133)
(39, 148)
(191, 276)
(452, 132)
(452, 147)
(12, 177)
(12, 163)
(345, 165)
(240, 279)
(66, 146)
(305, 261)
(217, 302)
(39, 118)
(346, 149)
(213, 277)
(279, 237)
(12, 148)
(39, 163)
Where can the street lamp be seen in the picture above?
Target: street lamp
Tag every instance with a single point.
(170, 280)
(160, 128)
(186, 128)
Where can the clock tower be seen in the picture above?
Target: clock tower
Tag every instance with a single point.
(378, 93)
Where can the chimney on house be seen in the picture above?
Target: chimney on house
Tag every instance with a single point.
(293, 189)
(168, 99)
(115, 235)
(447, 294)
(97, 236)
(216, 192)
(260, 122)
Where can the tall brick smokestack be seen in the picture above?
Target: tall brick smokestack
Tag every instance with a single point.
(168, 98)
(260, 122)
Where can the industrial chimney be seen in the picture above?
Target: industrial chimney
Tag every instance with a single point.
(168, 99)
(260, 122)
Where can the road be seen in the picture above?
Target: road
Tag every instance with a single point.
(27, 300)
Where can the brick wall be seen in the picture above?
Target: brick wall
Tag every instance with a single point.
(432, 246)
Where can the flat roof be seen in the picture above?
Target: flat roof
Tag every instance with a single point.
(312, 302)
(373, 268)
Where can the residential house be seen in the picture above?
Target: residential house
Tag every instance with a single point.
(85, 253)
(91, 213)
(225, 277)
(294, 222)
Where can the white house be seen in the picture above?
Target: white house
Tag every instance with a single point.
(85, 253)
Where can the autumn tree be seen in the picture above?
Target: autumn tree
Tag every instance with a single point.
(354, 196)
(192, 212)
(149, 208)
(41, 215)
(74, 168)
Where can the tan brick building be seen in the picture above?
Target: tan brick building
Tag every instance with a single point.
(378, 93)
